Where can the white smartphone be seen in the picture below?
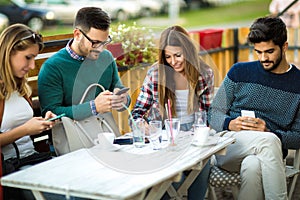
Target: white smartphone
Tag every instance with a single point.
(248, 113)
(121, 91)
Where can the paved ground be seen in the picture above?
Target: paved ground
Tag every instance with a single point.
(226, 194)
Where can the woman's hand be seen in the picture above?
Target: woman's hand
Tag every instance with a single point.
(33, 126)
(37, 125)
(49, 115)
(247, 123)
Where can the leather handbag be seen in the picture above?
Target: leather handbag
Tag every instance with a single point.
(70, 135)
(14, 164)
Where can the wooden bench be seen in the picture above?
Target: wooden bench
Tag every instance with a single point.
(52, 45)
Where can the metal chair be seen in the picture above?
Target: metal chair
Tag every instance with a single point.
(292, 172)
(220, 178)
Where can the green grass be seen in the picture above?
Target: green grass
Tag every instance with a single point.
(246, 11)
(242, 11)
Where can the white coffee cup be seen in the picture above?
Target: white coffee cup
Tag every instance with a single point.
(105, 140)
(201, 134)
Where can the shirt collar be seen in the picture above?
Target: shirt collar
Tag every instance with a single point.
(72, 53)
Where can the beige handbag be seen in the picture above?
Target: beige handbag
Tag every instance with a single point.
(70, 135)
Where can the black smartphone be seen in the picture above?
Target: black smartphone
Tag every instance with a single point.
(57, 117)
(121, 91)
(123, 141)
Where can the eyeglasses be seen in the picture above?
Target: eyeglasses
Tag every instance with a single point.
(96, 43)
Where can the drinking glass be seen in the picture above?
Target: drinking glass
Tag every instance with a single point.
(200, 118)
(172, 128)
(138, 132)
(155, 134)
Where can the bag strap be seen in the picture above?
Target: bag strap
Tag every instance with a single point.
(88, 89)
(107, 125)
(84, 95)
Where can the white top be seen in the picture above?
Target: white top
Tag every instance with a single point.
(181, 106)
(16, 112)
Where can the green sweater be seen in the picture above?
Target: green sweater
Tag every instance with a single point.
(62, 81)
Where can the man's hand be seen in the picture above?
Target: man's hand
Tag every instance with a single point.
(247, 123)
(117, 100)
(103, 102)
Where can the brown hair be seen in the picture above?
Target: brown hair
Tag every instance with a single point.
(179, 37)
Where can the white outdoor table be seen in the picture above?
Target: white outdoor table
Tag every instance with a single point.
(85, 172)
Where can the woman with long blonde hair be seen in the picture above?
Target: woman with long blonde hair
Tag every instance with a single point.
(19, 45)
(183, 79)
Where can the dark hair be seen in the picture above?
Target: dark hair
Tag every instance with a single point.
(92, 17)
(268, 28)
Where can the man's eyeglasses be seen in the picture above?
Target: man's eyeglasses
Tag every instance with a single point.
(96, 43)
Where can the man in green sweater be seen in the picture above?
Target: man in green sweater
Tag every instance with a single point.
(65, 76)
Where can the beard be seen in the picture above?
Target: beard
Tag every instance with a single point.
(90, 54)
(93, 55)
(275, 64)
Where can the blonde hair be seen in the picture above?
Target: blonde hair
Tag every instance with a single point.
(194, 66)
(17, 37)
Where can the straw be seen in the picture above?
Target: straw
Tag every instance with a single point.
(170, 118)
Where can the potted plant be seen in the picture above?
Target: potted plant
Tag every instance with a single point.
(132, 46)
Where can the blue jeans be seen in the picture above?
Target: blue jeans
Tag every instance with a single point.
(198, 188)
(186, 127)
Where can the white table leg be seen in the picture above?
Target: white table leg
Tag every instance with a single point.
(159, 190)
(38, 195)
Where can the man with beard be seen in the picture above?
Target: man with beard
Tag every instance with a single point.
(270, 88)
(65, 76)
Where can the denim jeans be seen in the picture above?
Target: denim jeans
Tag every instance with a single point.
(198, 188)
(186, 127)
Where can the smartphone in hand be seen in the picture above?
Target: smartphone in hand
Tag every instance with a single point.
(122, 91)
(57, 117)
(248, 113)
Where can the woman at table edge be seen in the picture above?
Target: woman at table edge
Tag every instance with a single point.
(19, 45)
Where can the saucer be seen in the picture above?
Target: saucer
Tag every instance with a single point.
(209, 142)
(112, 147)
